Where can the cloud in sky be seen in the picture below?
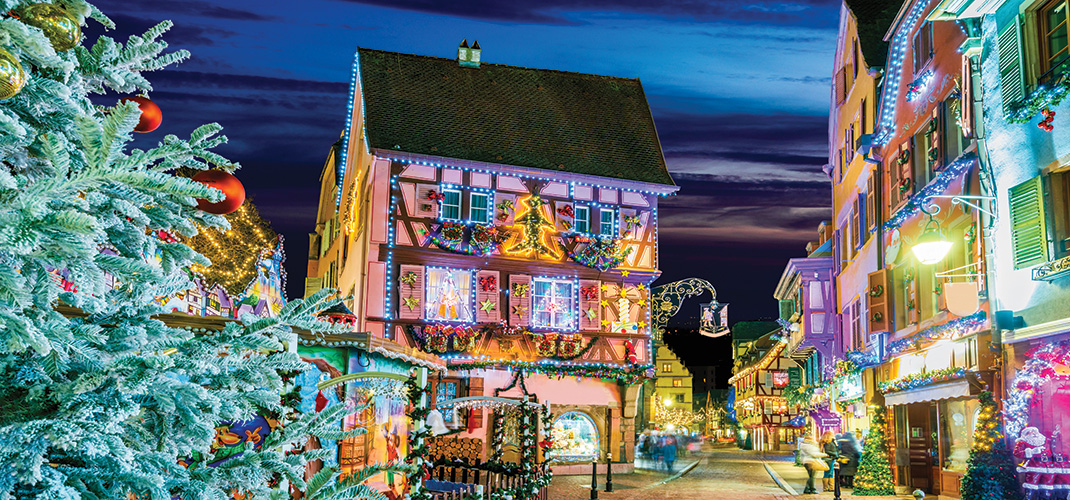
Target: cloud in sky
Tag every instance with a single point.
(739, 93)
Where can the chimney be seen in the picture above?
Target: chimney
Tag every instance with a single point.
(468, 57)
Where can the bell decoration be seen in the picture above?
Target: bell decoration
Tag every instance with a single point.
(225, 182)
(12, 77)
(151, 116)
(59, 26)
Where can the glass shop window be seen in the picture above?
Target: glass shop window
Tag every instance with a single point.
(575, 438)
(957, 419)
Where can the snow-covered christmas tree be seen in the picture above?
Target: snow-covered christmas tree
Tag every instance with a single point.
(98, 397)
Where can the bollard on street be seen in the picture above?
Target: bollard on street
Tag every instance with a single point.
(836, 475)
(594, 480)
(609, 473)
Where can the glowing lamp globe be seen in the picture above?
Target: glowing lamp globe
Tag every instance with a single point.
(931, 247)
(230, 186)
(668, 402)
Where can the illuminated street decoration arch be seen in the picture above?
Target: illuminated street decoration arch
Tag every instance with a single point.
(668, 298)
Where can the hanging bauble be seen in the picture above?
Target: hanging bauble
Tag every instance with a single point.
(225, 182)
(59, 26)
(12, 77)
(151, 116)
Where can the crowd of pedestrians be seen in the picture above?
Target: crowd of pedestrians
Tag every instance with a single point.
(819, 457)
(663, 447)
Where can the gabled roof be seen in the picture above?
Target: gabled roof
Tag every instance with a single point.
(537, 118)
(873, 18)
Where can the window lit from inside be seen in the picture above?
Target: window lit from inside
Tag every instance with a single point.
(677, 382)
(1055, 19)
(449, 295)
(479, 211)
(451, 204)
(552, 303)
(666, 367)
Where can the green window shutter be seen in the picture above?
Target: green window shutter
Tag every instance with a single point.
(1011, 75)
(1028, 232)
(787, 309)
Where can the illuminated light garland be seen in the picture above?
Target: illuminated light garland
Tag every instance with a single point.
(602, 254)
(443, 338)
(235, 253)
(1044, 97)
(626, 374)
(762, 363)
(952, 329)
(936, 187)
(916, 380)
(536, 229)
(990, 469)
(1039, 366)
(893, 76)
(919, 85)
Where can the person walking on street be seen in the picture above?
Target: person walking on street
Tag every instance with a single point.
(669, 451)
(849, 459)
(811, 456)
(832, 453)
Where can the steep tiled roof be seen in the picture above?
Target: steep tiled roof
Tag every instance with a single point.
(546, 119)
(873, 18)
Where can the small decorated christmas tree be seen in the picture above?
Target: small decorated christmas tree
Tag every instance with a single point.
(874, 475)
(990, 468)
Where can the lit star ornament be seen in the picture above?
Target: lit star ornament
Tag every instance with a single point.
(519, 310)
(625, 273)
(487, 306)
(605, 322)
(605, 287)
(411, 303)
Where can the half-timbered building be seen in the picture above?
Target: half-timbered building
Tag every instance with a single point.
(504, 219)
(761, 375)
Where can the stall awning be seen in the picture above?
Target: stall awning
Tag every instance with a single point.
(947, 390)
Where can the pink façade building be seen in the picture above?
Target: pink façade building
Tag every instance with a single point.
(503, 219)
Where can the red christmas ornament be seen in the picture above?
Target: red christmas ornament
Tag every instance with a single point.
(321, 401)
(225, 182)
(151, 116)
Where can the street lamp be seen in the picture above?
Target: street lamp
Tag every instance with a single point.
(668, 402)
(932, 245)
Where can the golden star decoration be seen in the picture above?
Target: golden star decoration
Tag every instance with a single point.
(592, 314)
(625, 273)
(640, 286)
(605, 303)
(519, 310)
(642, 324)
(642, 302)
(605, 322)
(605, 287)
(411, 303)
(487, 305)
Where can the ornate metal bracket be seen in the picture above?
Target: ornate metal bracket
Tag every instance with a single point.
(667, 300)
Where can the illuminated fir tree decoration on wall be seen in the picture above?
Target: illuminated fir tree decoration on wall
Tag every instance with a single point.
(990, 470)
(874, 473)
(536, 229)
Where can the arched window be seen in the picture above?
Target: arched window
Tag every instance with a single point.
(575, 438)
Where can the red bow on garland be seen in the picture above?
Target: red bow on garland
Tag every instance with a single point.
(545, 444)
(434, 195)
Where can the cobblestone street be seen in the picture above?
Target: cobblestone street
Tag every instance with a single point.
(720, 474)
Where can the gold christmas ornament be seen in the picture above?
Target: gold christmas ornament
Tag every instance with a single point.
(60, 27)
(12, 77)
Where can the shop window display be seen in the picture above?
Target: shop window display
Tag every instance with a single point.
(957, 421)
(575, 438)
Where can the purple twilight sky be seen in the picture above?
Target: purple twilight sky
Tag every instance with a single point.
(739, 92)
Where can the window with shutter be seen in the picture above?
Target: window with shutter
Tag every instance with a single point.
(856, 228)
(1029, 235)
(488, 297)
(871, 203)
(787, 309)
(411, 292)
(877, 301)
(590, 312)
(1011, 70)
(519, 300)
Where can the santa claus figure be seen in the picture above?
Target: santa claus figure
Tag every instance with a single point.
(1035, 470)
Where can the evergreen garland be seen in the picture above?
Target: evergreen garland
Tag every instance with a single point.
(416, 459)
(990, 470)
(874, 475)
